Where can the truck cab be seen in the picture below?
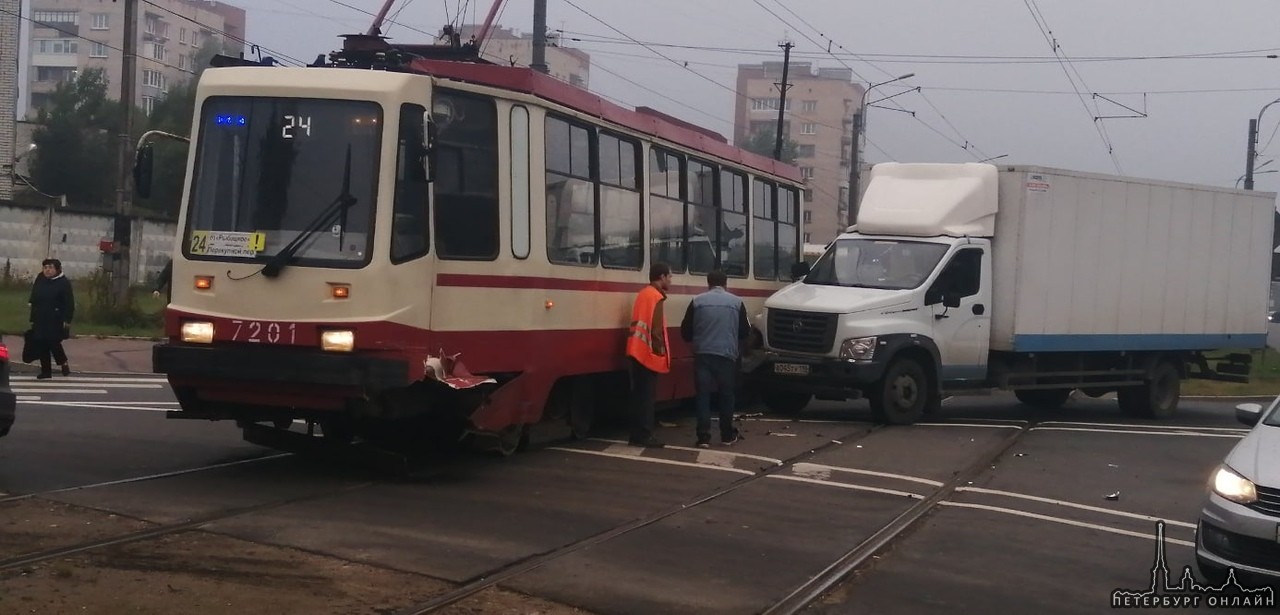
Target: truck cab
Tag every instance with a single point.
(895, 307)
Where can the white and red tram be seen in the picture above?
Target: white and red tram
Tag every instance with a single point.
(374, 244)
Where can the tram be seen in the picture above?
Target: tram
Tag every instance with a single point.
(389, 244)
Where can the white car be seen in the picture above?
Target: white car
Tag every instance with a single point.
(1240, 522)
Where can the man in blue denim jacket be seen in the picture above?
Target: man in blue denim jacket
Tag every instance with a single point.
(716, 324)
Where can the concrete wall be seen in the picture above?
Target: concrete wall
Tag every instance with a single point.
(29, 235)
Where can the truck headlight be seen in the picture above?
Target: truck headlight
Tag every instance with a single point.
(338, 340)
(197, 332)
(858, 348)
(1228, 484)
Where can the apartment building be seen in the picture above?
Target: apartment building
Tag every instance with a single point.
(819, 118)
(68, 36)
(509, 46)
(9, 28)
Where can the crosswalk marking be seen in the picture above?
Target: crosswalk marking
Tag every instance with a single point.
(21, 391)
(98, 379)
(31, 390)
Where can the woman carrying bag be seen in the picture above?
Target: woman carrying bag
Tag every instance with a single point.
(52, 305)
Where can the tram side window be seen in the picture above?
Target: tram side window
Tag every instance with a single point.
(466, 186)
(666, 210)
(788, 230)
(766, 230)
(571, 200)
(734, 241)
(621, 235)
(409, 225)
(704, 225)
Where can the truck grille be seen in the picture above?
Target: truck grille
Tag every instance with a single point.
(1268, 501)
(801, 331)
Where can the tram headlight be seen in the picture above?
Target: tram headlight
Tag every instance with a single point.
(197, 332)
(338, 340)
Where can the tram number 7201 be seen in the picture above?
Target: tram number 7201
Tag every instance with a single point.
(257, 331)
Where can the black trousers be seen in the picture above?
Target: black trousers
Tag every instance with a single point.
(644, 394)
(45, 348)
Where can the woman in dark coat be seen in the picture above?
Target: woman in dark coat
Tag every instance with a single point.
(52, 305)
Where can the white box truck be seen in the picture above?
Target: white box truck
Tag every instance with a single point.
(965, 277)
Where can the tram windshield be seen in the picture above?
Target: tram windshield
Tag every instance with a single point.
(268, 173)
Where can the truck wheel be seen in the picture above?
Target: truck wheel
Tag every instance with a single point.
(1157, 398)
(1043, 398)
(901, 397)
(785, 402)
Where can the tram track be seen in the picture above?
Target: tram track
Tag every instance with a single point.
(169, 529)
(798, 598)
(136, 479)
(494, 577)
(819, 584)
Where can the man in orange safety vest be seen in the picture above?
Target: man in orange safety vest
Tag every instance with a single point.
(648, 353)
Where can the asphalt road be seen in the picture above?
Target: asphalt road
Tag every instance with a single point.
(726, 530)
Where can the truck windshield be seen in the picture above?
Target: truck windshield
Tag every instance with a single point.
(876, 263)
(268, 170)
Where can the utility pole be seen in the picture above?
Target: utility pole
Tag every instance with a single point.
(855, 171)
(540, 37)
(1250, 154)
(782, 99)
(122, 235)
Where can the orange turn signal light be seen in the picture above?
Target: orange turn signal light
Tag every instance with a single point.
(204, 282)
(340, 291)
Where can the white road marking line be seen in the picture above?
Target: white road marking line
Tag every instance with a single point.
(137, 403)
(776, 462)
(1142, 433)
(827, 483)
(85, 404)
(1094, 526)
(992, 425)
(1033, 498)
(161, 380)
(804, 467)
(637, 457)
(1133, 426)
(44, 384)
(762, 419)
(28, 398)
(84, 391)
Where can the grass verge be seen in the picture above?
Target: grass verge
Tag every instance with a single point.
(1264, 379)
(145, 319)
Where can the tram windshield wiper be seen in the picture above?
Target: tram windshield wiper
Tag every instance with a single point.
(338, 208)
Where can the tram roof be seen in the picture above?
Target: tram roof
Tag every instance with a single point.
(643, 119)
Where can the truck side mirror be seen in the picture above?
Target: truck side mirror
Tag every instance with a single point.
(951, 300)
(143, 163)
(799, 270)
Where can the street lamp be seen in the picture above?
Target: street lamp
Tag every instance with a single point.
(855, 173)
(1253, 141)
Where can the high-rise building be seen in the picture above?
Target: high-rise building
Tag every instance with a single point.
(507, 46)
(68, 36)
(9, 29)
(819, 119)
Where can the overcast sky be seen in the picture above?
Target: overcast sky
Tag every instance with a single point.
(1016, 100)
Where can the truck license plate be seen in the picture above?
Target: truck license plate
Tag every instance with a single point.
(792, 369)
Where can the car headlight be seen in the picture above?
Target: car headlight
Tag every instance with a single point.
(858, 348)
(338, 340)
(197, 332)
(1228, 484)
